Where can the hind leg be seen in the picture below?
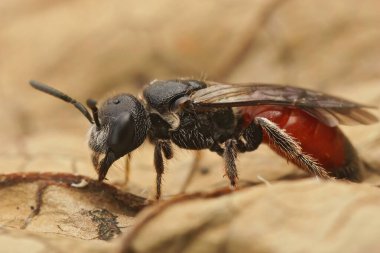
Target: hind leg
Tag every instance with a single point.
(288, 147)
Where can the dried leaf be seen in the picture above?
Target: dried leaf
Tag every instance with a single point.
(64, 204)
(89, 50)
(303, 216)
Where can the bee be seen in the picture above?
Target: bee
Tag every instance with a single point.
(300, 125)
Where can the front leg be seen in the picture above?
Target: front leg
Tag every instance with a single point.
(159, 148)
(127, 168)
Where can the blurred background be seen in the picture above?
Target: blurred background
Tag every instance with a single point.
(96, 48)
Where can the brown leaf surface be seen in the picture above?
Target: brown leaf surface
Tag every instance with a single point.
(64, 204)
(90, 49)
(303, 216)
(13, 240)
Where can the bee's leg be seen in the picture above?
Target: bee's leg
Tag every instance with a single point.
(127, 168)
(249, 140)
(159, 148)
(217, 149)
(194, 168)
(288, 147)
(159, 166)
(229, 155)
(167, 149)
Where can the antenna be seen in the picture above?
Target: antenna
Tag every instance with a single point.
(58, 94)
(91, 103)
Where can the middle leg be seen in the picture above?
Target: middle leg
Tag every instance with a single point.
(229, 155)
(249, 140)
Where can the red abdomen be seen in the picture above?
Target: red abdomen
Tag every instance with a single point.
(326, 144)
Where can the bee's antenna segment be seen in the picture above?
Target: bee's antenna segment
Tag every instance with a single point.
(91, 103)
(58, 94)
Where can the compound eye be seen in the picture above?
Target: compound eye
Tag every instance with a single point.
(179, 104)
(123, 129)
(121, 139)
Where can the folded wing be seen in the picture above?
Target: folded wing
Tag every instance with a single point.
(328, 109)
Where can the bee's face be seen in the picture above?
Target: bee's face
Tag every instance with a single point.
(124, 124)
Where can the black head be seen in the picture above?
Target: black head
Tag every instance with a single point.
(123, 126)
(118, 127)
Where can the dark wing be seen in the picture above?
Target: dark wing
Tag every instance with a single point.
(329, 109)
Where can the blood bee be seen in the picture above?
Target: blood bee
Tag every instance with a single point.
(299, 124)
